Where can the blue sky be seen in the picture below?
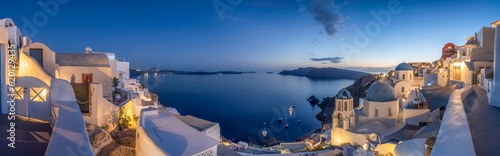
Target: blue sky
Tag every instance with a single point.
(257, 35)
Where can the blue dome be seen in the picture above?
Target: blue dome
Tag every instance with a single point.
(343, 92)
(404, 66)
(380, 92)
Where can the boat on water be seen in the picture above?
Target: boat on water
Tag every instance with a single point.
(290, 110)
(280, 120)
(286, 125)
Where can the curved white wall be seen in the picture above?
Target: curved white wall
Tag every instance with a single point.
(454, 136)
(69, 135)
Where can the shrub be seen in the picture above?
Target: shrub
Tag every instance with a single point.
(490, 75)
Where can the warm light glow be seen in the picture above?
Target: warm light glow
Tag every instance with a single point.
(44, 93)
(457, 64)
(38, 94)
(338, 140)
(18, 93)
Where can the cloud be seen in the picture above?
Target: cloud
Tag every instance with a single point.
(325, 12)
(331, 59)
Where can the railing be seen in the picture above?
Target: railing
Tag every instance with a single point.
(421, 105)
(418, 78)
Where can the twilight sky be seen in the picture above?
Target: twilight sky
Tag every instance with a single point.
(258, 35)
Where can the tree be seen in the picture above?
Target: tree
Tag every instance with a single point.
(115, 82)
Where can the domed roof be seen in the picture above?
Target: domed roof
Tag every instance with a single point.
(343, 92)
(380, 92)
(404, 66)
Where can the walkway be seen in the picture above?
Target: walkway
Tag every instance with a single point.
(32, 137)
(483, 122)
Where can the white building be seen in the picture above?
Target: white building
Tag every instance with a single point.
(404, 80)
(161, 132)
(32, 91)
(70, 90)
(381, 103)
(493, 97)
(384, 110)
(344, 115)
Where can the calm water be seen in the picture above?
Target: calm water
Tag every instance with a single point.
(241, 104)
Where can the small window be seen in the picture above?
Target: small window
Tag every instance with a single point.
(339, 106)
(38, 94)
(403, 76)
(345, 105)
(402, 89)
(18, 93)
(87, 78)
(37, 54)
(376, 113)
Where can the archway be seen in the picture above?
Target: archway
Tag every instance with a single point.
(340, 121)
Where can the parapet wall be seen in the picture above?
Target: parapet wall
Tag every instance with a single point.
(69, 134)
(454, 136)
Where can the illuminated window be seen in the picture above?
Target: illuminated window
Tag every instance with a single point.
(18, 93)
(38, 94)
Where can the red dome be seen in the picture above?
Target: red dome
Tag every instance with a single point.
(448, 50)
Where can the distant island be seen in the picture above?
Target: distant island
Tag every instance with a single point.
(137, 72)
(324, 73)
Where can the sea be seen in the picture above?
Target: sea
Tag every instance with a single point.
(245, 105)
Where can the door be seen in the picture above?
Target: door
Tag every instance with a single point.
(474, 79)
(82, 96)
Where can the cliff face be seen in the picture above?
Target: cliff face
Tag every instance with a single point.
(359, 87)
(357, 90)
(296, 72)
(324, 73)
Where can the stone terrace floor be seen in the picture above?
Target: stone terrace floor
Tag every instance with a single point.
(32, 137)
(483, 122)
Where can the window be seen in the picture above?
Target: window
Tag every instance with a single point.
(403, 76)
(18, 93)
(345, 105)
(422, 123)
(87, 78)
(389, 112)
(339, 106)
(38, 94)
(37, 54)
(402, 89)
(376, 113)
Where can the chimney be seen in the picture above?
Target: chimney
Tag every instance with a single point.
(88, 50)
(494, 97)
